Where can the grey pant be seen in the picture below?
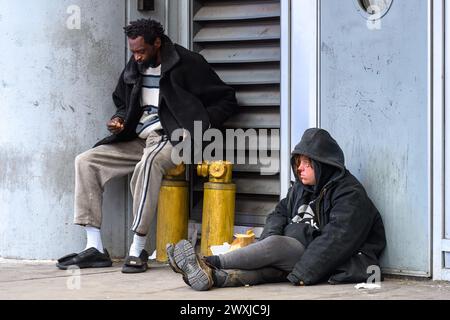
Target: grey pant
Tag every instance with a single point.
(148, 160)
(267, 261)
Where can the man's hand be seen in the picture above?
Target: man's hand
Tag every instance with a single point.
(115, 125)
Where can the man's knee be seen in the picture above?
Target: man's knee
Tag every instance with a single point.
(163, 162)
(83, 159)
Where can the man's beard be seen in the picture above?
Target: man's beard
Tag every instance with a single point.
(151, 63)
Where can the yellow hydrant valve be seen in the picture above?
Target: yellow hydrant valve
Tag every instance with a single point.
(218, 171)
(202, 169)
(177, 173)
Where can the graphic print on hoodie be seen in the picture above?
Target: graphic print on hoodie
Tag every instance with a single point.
(306, 215)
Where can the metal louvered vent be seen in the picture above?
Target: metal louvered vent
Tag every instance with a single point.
(241, 40)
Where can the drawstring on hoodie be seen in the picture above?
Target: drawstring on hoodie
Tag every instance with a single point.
(319, 200)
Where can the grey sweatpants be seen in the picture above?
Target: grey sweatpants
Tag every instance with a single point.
(148, 160)
(267, 261)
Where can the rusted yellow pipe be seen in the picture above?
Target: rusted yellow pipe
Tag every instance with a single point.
(173, 211)
(218, 205)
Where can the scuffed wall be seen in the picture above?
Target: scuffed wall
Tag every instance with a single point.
(55, 89)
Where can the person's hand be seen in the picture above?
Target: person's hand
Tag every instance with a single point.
(115, 125)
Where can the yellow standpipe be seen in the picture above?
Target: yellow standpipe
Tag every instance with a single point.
(173, 211)
(218, 204)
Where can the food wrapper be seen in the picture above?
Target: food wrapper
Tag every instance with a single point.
(216, 250)
(242, 240)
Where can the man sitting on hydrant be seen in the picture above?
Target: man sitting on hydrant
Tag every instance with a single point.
(163, 88)
(326, 229)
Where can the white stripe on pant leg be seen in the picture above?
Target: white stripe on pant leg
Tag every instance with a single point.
(146, 160)
(143, 180)
(146, 184)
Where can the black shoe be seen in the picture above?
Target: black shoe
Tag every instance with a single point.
(89, 258)
(197, 273)
(136, 264)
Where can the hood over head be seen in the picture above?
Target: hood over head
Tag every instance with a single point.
(326, 155)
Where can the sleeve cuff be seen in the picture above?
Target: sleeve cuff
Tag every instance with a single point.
(293, 279)
(118, 116)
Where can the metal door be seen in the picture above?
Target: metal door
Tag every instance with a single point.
(375, 99)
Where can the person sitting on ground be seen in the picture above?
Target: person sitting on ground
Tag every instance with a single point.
(326, 228)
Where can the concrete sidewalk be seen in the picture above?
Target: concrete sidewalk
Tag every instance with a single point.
(24, 280)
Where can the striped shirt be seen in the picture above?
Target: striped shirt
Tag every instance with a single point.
(150, 102)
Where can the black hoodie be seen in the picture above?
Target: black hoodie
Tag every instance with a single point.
(346, 235)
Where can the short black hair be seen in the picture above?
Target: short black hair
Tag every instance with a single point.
(147, 28)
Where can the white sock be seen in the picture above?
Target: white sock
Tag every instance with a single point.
(138, 245)
(94, 238)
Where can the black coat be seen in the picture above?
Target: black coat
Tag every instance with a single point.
(350, 236)
(190, 91)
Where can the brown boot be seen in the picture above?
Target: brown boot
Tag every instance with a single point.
(198, 274)
(170, 248)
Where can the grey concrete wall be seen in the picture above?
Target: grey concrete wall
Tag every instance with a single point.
(55, 89)
(374, 100)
